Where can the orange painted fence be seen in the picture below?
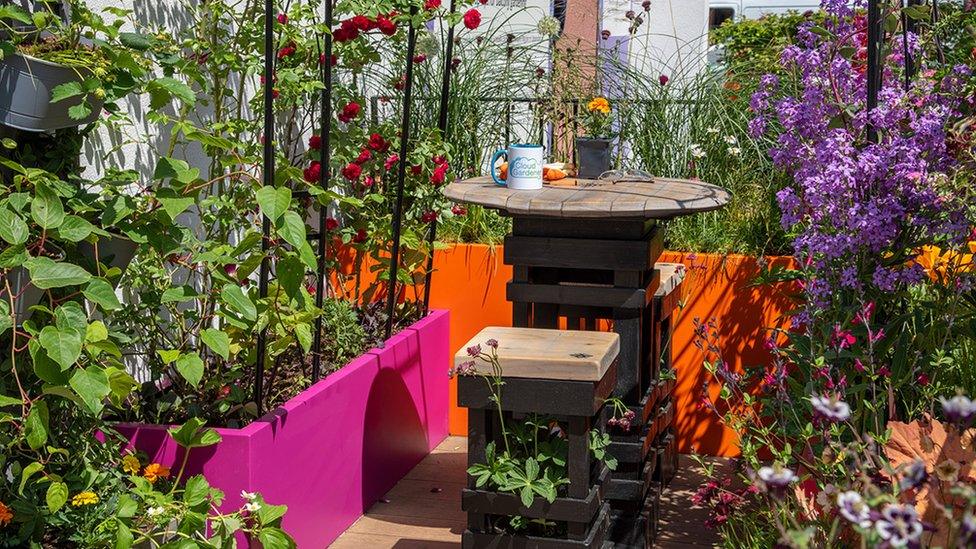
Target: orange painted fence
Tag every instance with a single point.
(470, 281)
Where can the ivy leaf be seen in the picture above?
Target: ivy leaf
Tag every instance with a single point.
(46, 207)
(57, 496)
(13, 229)
(91, 384)
(46, 273)
(101, 292)
(218, 341)
(63, 345)
(274, 202)
(190, 366)
(233, 296)
(36, 425)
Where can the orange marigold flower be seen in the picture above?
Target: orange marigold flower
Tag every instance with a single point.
(6, 515)
(599, 104)
(155, 471)
(130, 464)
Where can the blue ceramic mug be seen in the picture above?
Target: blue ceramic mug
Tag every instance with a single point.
(524, 166)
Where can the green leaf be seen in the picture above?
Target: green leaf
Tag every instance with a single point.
(36, 425)
(192, 435)
(292, 229)
(190, 366)
(163, 90)
(274, 201)
(120, 383)
(217, 340)
(13, 229)
(63, 345)
(75, 229)
(79, 111)
(99, 291)
(65, 91)
(168, 356)
(179, 293)
(175, 206)
(526, 495)
(6, 322)
(135, 40)
(57, 496)
(45, 368)
(16, 13)
(96, 332)
(127, 507)
(233, 296)
(46, 207)
(46, 273)
(123, 536)
(9, 401)
(71, 315)
(92, 386)
(275, 538)
(291, 274)
(27, 473)
(196, 490)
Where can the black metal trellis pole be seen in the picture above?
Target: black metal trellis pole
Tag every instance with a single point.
(401, 175)
(874, 65)
(325, 159)
(268, 180)
(908, 25)
(442, 126)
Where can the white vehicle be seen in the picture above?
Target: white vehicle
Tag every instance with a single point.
(720, 10)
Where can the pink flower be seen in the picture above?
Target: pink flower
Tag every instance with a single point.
(842, 339)
(390, 162)
(472, 19)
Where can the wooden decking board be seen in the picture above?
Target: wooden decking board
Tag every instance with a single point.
(424, 510)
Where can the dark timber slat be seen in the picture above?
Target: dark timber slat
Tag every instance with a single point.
(580, 253)
(594, 296)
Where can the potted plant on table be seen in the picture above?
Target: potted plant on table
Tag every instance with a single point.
(593, 149)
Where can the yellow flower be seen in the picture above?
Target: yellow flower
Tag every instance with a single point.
(130, 464)
(599, 104)
(5, 514)
(941, 266)
(155, 471)
(84, 498)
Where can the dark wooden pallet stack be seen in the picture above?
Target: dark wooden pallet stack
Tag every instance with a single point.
(590, 274)
(577, 402)
(666, 302)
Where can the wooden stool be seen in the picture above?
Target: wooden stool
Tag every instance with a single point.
(567, 375)
(666, 302)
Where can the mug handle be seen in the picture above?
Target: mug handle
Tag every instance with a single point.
(494, 158)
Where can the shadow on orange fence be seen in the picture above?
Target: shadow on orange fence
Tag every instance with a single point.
(470, 281)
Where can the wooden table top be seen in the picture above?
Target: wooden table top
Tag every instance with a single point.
(661, 198)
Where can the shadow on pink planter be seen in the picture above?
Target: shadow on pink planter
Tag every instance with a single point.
(334, 450)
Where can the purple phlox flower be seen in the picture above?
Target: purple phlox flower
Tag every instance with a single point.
(913, 475)
(474, 350)
(852, 507)
(830, 408)
(776, 478)
(959, 410)
(899, 525)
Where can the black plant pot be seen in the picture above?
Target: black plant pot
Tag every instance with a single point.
(592, 156)
(26, 84)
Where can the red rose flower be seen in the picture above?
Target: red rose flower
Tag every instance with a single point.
(386, 25)
(362, 22)
(472, 19)
(287, 51)
(363, 157)
(439, 159)
(350, 112)
(419, 58)
(275, 93)
(416, 169)
(459, 210)
(313, 172)
(432, 4)
(440, 174)
(331, 224)
(348, 30)
(368, 181)
(282, 18)
(663, 79)
(377, 143)
(360, 236)
(429, 217)
(352, 172)
(335, 59)
(315, 142)
(390, 162)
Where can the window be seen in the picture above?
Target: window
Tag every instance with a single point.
(717, 16)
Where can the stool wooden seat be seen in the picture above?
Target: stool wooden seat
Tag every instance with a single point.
(549, 354)
(672, 274)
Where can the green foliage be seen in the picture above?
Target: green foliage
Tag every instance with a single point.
(751, 47)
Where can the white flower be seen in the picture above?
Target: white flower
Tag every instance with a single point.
(852, 507)
(696, 151)
(830, 408)
(899, 525)
(249, 496)
(155, 511)
(735, 151)
(776, 478)
(10, 474)
(730, 139)
(252, 507)
(548, 26)
(712, 131)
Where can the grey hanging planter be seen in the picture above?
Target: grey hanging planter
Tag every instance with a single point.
(27, 294)
(592, 157)
(115, 251)
(25, 95)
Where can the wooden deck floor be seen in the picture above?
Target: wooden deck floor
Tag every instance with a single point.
(424, 509)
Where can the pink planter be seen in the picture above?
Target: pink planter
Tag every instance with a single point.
(335, 449)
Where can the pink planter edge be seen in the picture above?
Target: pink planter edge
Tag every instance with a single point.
(332, 451)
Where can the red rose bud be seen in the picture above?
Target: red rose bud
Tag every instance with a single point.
(282, 18)
(313, 172)
(663, 79)
(335, 59)
(352, 172)
(391, 161)
(646, 5)
(363, 157)
(402, 83)
(605, 34)
(455, 63)
(377, 143)
(429, 217)
(310, 288)
(368, 181)
(315, 142)
(439, 159)
(331, 224)
(230, 270)
(459, 210)
(275, 93)
(360, 236)
(472, 19)
(386, 25)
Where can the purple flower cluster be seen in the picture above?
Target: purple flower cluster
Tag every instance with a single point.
(857, 208)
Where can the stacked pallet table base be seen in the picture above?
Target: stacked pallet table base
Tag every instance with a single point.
(567, 378)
